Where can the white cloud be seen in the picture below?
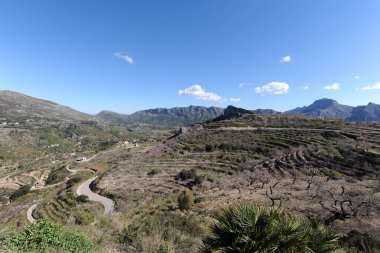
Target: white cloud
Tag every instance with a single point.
(273, 88)
(304, 87)
(242, 85)
(334, 86)
(199, 93)
(356, 77)
(286, 59)
(235, 99)
(375, 86)
(124, 57)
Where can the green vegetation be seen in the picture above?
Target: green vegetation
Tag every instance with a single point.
(187, 174)
(161, 232)
(358, 242)
(247, 228)
(23, 190)
(185, 200)
(153, 172)
(332, 174)
(165, 247)
(82, 199)
(57, 175)
(85, 218)
(44, 236)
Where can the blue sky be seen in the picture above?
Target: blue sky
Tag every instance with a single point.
(131, 55)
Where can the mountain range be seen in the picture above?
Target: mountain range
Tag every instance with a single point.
(15, 105)
(329, 108)
(176, 116)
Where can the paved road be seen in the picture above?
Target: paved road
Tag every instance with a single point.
(84, 189)
(29, 213)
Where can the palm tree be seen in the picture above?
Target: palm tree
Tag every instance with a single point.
(246, 228)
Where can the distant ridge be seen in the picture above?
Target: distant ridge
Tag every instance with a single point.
(329, 108)
(326, 108)
(177, 116)
(370, 112)
(14, 105)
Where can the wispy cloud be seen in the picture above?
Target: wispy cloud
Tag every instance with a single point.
(242, 85)
(304, 87)
(356, 77)
(375, 86)
(199, 93)
(235, 99)
(273, 88)
(334, 86)
(286, 59)
(124, 57)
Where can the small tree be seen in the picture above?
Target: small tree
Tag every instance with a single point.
(185, 200)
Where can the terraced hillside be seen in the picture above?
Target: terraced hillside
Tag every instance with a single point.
(316, 168)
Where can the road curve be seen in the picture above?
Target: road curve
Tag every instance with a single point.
(29, 213)
(84, 189)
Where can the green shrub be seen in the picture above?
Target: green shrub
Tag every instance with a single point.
(82, 199)
(56, 176)
(209, 148)
(153, 172)
(359, 242)
(187, 174)
(72, 181)
(185, 200)
(131, 236)
(332, 174)
(198, 180)
(45, 236)
(247, 228)
(165, 247)
(84, 218)
(20, 192)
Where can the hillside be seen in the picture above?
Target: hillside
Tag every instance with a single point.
(177, 116)
(370, 112)
(326, 108)
(14, 106)
(312, 167)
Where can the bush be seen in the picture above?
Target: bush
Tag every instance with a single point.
(84, 218)
(185, 200)
(45, 236)
(247, 228)
(209, 148)
(165, 247)
(72, 181)
(131, 236)
(57, 176)
(82, 199)
(20, 192)
(332, 174)
(198, 180)
(358, 242)
(187, 174)
(153, 172)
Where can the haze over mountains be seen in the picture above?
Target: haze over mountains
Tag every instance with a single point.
(17, 105)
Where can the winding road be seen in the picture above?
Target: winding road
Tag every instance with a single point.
(84, 189)
(29, 213)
